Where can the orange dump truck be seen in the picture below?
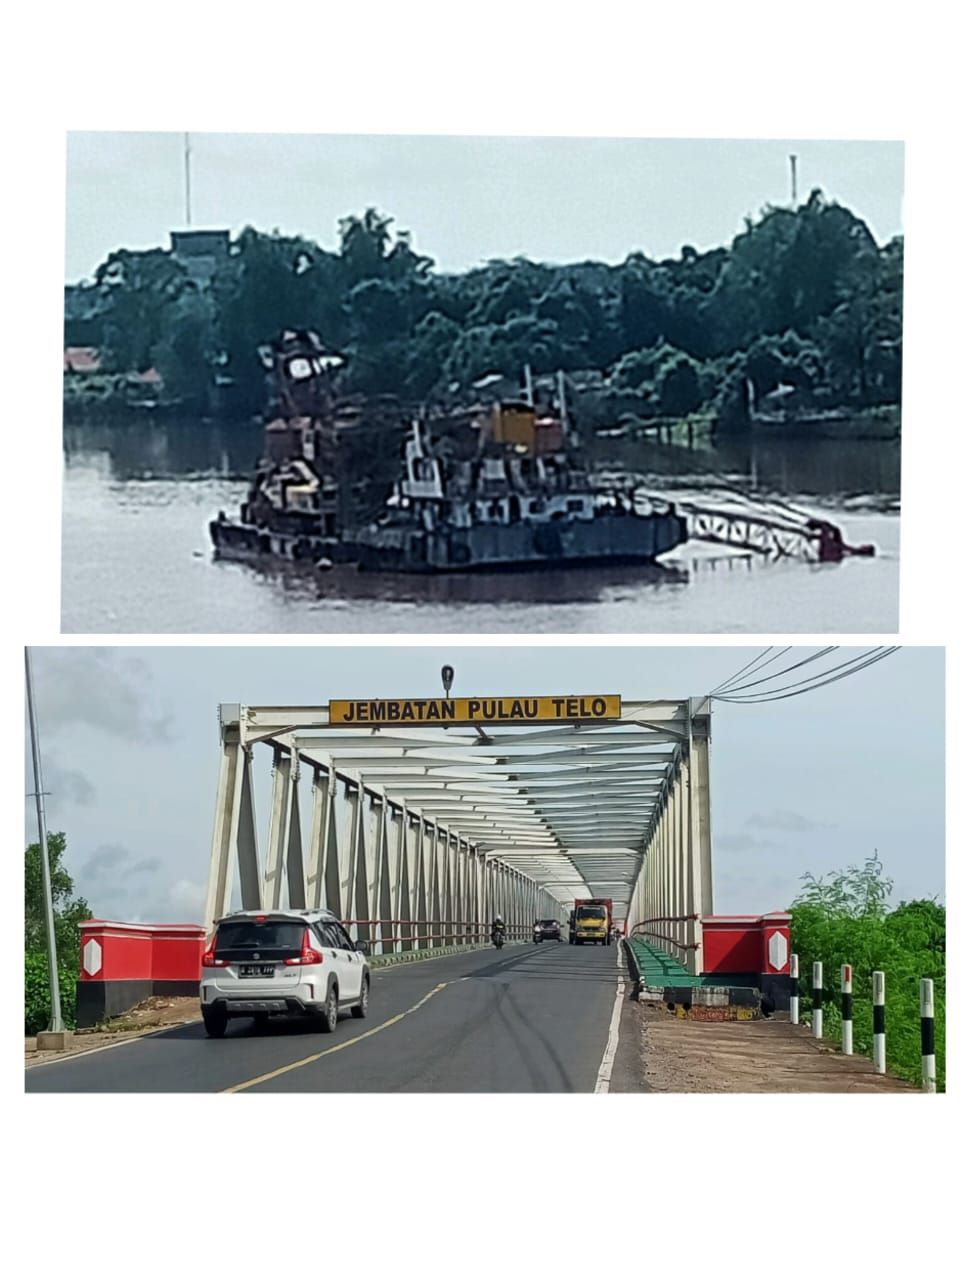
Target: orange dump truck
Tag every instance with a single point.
(591, 920)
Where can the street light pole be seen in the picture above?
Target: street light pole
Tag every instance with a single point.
(56, 1021)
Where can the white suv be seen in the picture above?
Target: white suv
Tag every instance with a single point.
(258, 963)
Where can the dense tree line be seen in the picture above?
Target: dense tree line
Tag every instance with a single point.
(803, 297)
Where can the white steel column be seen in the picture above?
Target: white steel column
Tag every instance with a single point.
(279, 824)
(316, 854)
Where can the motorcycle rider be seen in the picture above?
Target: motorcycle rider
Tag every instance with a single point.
(498, 926)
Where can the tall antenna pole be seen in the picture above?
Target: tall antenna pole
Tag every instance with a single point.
(793, 160)
(57, 1023)
(188, 182)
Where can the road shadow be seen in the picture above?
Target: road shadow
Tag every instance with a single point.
(562, 969)
(279, 1025)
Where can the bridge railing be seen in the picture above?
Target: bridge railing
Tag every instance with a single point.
(390, 937)
(639, 930)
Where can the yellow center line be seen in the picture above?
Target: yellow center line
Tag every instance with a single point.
(344, 1044)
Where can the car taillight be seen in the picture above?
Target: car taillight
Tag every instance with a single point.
(308, 954)
(209, 960)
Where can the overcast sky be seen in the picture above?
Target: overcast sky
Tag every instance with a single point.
(464, 199)
(813, 783)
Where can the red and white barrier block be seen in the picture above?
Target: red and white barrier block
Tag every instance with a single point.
(123, 964)
(751, 951)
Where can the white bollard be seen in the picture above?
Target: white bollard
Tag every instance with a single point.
(879, 1021)
(847, 1009)
(927, 1028)
(793, 998)
(817, 999)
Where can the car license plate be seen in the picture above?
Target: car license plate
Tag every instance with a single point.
(257, 970)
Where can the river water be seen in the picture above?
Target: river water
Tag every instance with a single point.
(136, 555)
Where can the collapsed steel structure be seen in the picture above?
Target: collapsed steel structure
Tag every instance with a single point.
(421, 835)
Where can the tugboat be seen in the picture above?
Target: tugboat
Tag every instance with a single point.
(292, 510)
(518, 498)
(522, 500)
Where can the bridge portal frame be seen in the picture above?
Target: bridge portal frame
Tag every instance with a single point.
(460, 841)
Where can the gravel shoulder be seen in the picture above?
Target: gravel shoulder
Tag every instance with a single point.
(678, 1055)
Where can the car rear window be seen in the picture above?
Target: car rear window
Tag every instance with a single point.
(277, 936)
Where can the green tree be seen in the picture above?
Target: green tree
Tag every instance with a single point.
(69, 910)
(271, 283)
(136, 290)
(434, 338)
(679, 389)
(363, 246)
(845, 918)
(185, 356)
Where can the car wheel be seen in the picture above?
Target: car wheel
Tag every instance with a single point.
(330, 1011)
(215, 1022)
(360, 1010)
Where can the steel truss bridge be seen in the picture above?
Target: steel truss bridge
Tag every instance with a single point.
(417, 837)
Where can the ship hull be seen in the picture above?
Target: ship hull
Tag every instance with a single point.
(619, 539)
(610, 539)
(236, 540)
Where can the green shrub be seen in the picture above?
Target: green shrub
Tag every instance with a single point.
(843, 918)
(37, 993)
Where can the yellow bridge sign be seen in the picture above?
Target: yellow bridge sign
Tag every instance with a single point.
(374, 712)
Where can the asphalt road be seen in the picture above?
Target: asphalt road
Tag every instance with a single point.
(529, 1019)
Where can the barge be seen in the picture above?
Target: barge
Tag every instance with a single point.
(510, 494)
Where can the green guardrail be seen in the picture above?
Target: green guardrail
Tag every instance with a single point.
(432, 953)
(655, 968)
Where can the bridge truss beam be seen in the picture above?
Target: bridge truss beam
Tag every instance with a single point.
(449, 827)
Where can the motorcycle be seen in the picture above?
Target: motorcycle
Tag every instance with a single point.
(537, 934)
(498, 939)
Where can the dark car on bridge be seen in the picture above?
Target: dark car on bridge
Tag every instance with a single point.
(548, 929)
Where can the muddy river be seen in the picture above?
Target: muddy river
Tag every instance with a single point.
(136, 557)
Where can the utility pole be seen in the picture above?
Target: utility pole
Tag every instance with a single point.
(188, 181)
(793, 161)
(56, 1021)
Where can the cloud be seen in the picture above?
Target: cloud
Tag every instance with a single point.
(743, 844)
(69, 786)
(188, 897)
(106, 689)
(119, 887)
(146, 865)
(105, 859)
(114, 861)
(785, 820)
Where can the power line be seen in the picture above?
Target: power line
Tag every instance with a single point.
(812, 657)
(724, 686)
(740, 696)
(777, 697)
(730, 679)
(833, 674)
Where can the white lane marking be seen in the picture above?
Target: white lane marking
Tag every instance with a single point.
(613, 1039)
